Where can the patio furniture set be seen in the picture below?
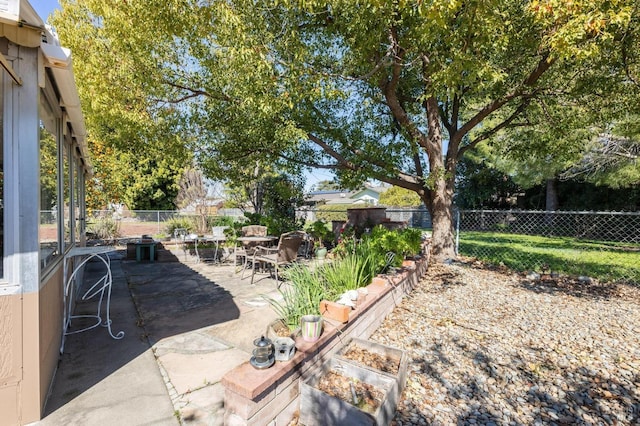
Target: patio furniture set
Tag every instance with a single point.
(254, 250)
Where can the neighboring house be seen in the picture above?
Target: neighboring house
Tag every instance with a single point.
(369, 195)
(44, 163)
(208, 206)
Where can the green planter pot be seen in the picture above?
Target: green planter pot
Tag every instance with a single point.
(321, 253)
(311, 327)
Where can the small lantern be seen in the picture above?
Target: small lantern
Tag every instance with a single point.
(285, 348)
(262, 354)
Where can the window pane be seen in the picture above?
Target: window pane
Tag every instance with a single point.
(67, 196)
(76, 203)
(49, 246)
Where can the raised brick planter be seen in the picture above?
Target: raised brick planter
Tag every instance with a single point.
(271, 396)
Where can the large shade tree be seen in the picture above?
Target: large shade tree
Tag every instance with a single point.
(396, 90)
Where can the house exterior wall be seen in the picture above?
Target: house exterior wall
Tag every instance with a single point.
(31, 294)
(50, 329)
(21, 191)
(10, 357)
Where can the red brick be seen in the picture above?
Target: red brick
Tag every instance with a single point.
(411, 264)
(379, 282)
(335, 311)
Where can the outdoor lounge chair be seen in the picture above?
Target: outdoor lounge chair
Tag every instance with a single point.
(244, 252)
(285, 254)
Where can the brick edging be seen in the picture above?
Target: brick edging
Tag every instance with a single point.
(254, 397)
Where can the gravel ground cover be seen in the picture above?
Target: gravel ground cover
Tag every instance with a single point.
(488, 346)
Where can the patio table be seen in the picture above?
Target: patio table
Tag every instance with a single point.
(255, 240)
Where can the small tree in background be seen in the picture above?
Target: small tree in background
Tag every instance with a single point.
(193, 192)
(400, 197)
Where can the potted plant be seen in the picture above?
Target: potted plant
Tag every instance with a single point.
(321, 235)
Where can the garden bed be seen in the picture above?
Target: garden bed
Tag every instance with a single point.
(377, 357)
(254, 397)
(343, 393)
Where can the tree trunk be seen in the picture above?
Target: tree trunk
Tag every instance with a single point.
(552, 196)
(443, 236)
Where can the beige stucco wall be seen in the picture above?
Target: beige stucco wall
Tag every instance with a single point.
(30, 333)
(50, 330)
(43, 330)
(31, 358)
(10, 358)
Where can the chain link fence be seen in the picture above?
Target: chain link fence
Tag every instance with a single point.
(127, 224)
(603, 245)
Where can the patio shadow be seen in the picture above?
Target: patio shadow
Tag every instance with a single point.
(150, 301)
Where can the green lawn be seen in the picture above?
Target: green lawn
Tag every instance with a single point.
(605, 260)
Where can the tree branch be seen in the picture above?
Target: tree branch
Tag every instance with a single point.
(194, 93)
(402, 179)
(543, 65)
(494, 130)
(389, 90)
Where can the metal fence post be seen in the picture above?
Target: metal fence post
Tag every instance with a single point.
(158, 215)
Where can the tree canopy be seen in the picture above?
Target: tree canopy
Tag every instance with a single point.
(396, 91)
(399, 197)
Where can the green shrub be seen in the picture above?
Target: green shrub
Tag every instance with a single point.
(177, 222)
(332, 212)
(222, 221)
(403, 242)
(105, 228)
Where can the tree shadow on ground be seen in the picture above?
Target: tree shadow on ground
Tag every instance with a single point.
(149, 301)
(576, 288)
(529, 389)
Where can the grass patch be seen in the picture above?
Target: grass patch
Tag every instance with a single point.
(604, 260)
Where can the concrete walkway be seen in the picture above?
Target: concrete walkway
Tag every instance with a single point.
(186, 324)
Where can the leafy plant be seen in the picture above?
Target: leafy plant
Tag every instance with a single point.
(222, 221)
(320, 232)
(179, 223)
(403, 243)
(348, 273)
(105, 228)
(302, 296)
(355, 266)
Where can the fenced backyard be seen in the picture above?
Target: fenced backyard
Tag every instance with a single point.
(602, 245)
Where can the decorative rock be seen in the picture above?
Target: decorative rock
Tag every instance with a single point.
(488, 350)
(533, 276)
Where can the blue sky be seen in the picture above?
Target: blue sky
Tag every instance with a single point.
(44, 7)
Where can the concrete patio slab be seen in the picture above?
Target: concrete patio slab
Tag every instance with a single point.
(186, 324)
(190, 371)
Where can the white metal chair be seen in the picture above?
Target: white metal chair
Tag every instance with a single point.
(217, 237)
